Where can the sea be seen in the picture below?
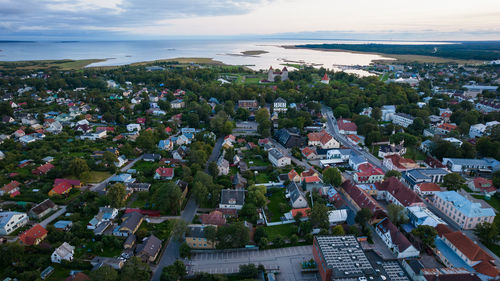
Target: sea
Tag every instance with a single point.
(224, 50)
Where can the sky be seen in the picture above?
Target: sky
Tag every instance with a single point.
(307, 19)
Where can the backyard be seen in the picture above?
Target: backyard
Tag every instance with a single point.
(282, 230)
(277, 205)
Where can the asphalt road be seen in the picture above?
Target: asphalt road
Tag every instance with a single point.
(171, 253)
(54, 216)
(99, 187)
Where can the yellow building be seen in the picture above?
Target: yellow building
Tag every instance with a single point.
(195, 237)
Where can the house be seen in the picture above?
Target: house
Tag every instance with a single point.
(54, 128)
(177, 104)
(322, 139)
(248, 104)
(180, 153)
(395, 240)
(397, 163)
(165, 145)
(93, 136)
(129, 242)
(273, 74)
(296, 196)
(60, 189)
(103, 220)
(479, 130)
(83, 128)
(63, 253)
(289, 137)
(368, 174)
(434, 163)
(213, 218)
(386, 150)
(387, 112)
(195, 237)
(115, 263)
(457, 250)
(464, 165)
(325, 79)
(63, 225)
(456, 142)
(445, 128)
(483, 185)
(223, 166)
(163, 173)
(418, 215)
(337, 216)
(393, 191)
(427, 188)
(278, 159)
(74, 183)
(11, 221)
(464, 210)
(416, 176)
(121, 160)
(293, 176)
(138, 187)
(402, 119)
(355, 160)
(134, 127)
(42, 209)
(151, 157)
(238, 181)
(123, 178)
(33, 236)
(78, 276)
(279, 105)
(347, 127)
(149, 249)
(232, 199)
(182, 140)
(130, 224)
(12, 189)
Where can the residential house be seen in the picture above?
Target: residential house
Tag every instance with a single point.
(464, 210)
(427, 188)
(397, 163)
(445, 128)
(347, 127)
(12, 189)
(151, 157)
(456, 142)
(393, 191)
(296, 196)
(177, 104)
(355, 160)
(63, 225)
(166, 145)
(402, 119)
(54, 128)
(138, 187)
(134, 127)
(121, 160)
(180, 153)
(386, 150)
(279, 105)
(123, 178)
(482, 185)
(64, 252)
(163, 173)
(222, 166)
(416, 176)
(278, 159)
(395, 240)
(149, 249)
(130, 224)
(62, 188)
(33, 236)
(213, 218)
(293, 176)
(195, 237)
(388, 112)
(232, 199)
(322, 139)
(248, 104)
(42, 209)
(238, 181)
(289, 137)
(479, 130)
(103, 220)
(464, 165)
(11, 221)
(418, 215)
(368, 174)
(434, 163)
(93, 136)
(309, 153)
(129, 242)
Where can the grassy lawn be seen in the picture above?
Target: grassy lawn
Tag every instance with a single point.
(493, 201)
(44, 64)
(257, 162)
(283, 230)
(273, 206)
(162, 230)
(262, 177)
(374, 150)
(59, 273)
(98, 176)
(252, 80)
(414, 153)
(141, 166)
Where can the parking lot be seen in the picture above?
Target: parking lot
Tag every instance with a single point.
(287, 260)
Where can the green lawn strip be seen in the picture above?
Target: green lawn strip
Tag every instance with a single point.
(262, 177)
(494, 202)
(413, 153)
(283, 230)
(274, 204)
(98, 176)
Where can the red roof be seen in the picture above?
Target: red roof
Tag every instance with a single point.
(434, 163)
(467, 247)
(400, 162)
(323, 137)
(61, 188)
(168, 130)
(165, 172)
(107, 129)
(347, 125)
(428, 186)
(367, 170)
(70, 181)
(361, 197)
(325, 77)
(354, 138)
(306, 151)
(447, 127)
(45, 168)
(150, 213)
(484, 184)
(263, 141)
(30, 236)
(311, 179)
(403, 194)
(308, 173)
(214, 218)
(487, 268)
(10, 187)
(292, 174)
(15, 193)
(442, 229)
(141, 120)
(303, 211)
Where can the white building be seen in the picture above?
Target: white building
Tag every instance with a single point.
(278, 159)
(402, 119)
(64, 252)
(223, 166)
(279, 105)
(387, 112)
(133, 127)
(93, 136)
(479, 130)
(11, 221)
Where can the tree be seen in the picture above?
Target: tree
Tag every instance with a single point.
(167, 197)
(78, 166)
(363, 216)
(174, 272)
(116, 195)
(487, 233)
(104, 273)
(453, 181)
(332, 176)
(234, 235)
(257, 195)
(376, 113)
(263, 118)
(426, 233)
(338, 230)
(294, 239)
(319, 216)
(146, 140)
(135, 270)
(179, 229)
(210, 233)
(185, 250)
(396, 214)
(248, 271)
(200, 192)
(213, 169)
(392, 173)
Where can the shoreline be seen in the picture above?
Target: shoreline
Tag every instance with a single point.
(392, 58)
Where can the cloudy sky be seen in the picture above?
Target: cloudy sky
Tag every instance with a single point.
(150, 19)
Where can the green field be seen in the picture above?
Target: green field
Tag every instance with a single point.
(98, 176)
(414, 153)
(273, 206)
(283, 230)
(45, 64)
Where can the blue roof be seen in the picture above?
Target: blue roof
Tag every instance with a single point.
(62, 224)
(357, 159)
(122, 178)
(450, 255)
(465, 206)
(6, 216)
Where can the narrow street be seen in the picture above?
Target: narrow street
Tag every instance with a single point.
(99, 187)
(54, 216)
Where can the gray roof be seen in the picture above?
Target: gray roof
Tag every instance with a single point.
(295, 191)
(404, 115)
(43, 206)
(130, 240)
(196, 231)
(131, 220)
(150, 246)
(276, 153)
(280, 100)
(228, 195)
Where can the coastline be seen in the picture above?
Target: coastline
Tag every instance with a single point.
(392, 58)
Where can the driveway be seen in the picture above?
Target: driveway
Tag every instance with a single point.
(99, 187)
(288, 260)
(54, 216)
